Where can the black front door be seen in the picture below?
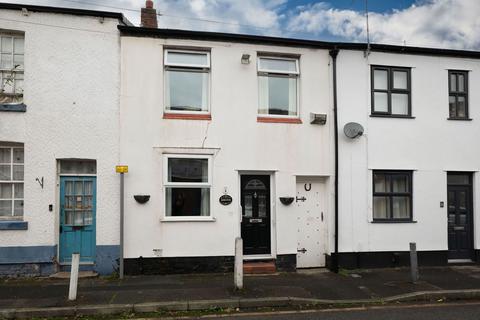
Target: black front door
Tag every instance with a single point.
(255, 201)
(460, 216)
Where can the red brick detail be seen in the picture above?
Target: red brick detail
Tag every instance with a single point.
(259, 267)
(279, 120)
(187, 116)
(148, 16)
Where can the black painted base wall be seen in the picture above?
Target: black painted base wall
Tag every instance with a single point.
(286, 262)
(179, 265)
(387, 259)
(184, 265)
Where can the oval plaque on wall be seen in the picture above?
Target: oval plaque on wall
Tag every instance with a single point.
(225, 199)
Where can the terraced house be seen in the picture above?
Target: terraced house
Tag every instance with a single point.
(58, 138)
(316, 154)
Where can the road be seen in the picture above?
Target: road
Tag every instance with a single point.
(453, 311)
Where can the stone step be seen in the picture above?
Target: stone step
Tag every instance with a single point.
(259, 267)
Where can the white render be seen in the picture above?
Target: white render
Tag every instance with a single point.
(72, 82)
(429, 144)
(234, 138)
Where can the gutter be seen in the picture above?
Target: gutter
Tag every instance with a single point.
(130, 31)
(71, 11)
(333, 53)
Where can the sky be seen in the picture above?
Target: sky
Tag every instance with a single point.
(451, 24)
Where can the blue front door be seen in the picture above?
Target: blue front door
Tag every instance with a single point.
(77, 218)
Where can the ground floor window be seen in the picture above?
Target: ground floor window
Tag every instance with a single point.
(187, 182)
(11, 182)
(392, 195)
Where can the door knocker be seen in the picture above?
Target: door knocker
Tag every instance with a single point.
(309, 186)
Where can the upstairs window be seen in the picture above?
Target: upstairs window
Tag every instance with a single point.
(391, 91)
(392, 196)
(11, 68)
(278, 86)
(187, 76)
(187, 186)
(458, 94)
(11, 182)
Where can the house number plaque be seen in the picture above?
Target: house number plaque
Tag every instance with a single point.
(225, 199)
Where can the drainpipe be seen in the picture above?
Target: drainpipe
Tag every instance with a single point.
(333, 53)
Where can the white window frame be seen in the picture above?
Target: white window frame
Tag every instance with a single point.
(185, 66)
(207, 184)
(266, 72)
(13, 182)
(13, 70)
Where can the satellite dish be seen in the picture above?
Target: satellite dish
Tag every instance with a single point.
(353, 130)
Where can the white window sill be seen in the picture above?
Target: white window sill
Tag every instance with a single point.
(188, 219)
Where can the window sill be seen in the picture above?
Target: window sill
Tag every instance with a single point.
(19, 107)
(13, 225)
(460, 119)
(393, 221)
(279, 120)
(187, 116)
(391, 116)
(188, 219)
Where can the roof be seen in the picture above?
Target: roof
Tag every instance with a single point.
(290, 42)
(78, 12)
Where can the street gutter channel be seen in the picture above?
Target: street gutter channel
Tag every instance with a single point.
(219, 306)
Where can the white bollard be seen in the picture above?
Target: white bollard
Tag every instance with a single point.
(238, 269)
(72, 293)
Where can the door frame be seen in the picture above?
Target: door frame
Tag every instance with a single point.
(273, 215)
(471, 203)
(59, 213)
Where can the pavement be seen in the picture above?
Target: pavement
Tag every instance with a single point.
(45, 296)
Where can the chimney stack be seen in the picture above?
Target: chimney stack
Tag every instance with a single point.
(149, 15)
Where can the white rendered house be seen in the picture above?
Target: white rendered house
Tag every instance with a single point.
(58, 139)
(413, 174)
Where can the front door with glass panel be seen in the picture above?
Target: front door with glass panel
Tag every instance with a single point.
(77, 218)
(255, 202)
(460, 216)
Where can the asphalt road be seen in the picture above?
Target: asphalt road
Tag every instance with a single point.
(463, 311)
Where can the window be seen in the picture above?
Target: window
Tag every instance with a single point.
(277, 86)
(11, 182)
(11, 68)
(392, 195)
(187, 81)
(458, 94)
(391, 91)
(187, 186)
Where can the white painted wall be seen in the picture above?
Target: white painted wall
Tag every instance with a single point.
(429, 144)
(72, 83)
(241, 143)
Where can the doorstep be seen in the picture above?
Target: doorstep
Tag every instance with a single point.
(259, 267)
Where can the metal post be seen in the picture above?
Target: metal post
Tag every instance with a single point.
(413, 262)
(122, 176)
(72, 292)
(238, 276)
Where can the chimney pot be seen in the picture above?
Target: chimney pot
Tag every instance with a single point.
(149, 4)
